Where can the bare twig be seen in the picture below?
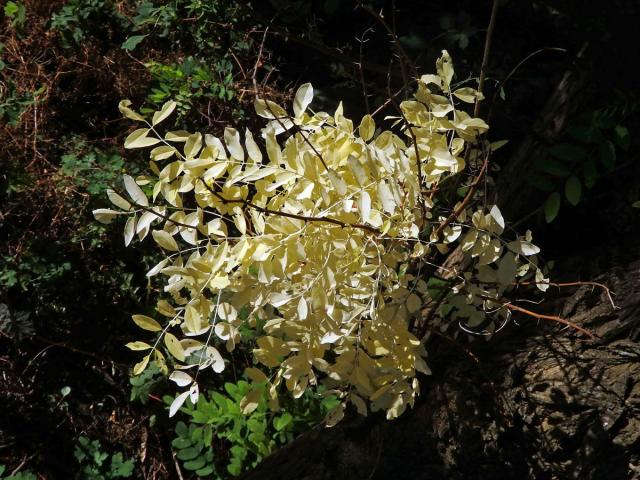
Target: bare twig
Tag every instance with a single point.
(257, 64)
(388, 101)
(485, 55)
(578, 284)
(405, 60)
(362, 40)
(176, 464)
(514, 70)
(540, 316)
(467, 199)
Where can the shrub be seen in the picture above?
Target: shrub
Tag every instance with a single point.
(331, 238)
(248, 438)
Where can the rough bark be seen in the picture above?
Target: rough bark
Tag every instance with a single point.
(536, 403)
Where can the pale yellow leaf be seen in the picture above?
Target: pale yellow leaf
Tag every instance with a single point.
(105, 215)
(367, 128)
(166, 110)
(165, 240)
(138, 346)
(250, 401)
(146, 323)
(140, 367)
(304, 96)
(174, 346)
(139, 139)
(118, 200)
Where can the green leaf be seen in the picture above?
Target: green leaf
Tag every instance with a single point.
(541, 182)
(568, 151)
(132, 42)
(121, 468)
(281, 422)
(553, 167)
(181, 427)
(196, 464)
(573, 190)
(622, 137)
(189, 453)
(203, 472)
(552, 207)
(607, 154)
(10, 9)
(330, 402)
(181, 443)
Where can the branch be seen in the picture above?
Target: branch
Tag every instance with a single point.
(159, 215)
(467, 199)
(577, 284)
(485, 55)
(540, 316)
(402, 54)
(304, 218)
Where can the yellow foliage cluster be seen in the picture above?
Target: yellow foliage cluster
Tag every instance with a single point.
(316, 231)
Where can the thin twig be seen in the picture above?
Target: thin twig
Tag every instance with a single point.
(541, 316)
(388, 101)
(304, 218)
(362, 41)
(402, 54)
(159, 215)
(467, 199)
(577, 284)
(176, 464)
(255, 67)
(515, 69)
(485, 55)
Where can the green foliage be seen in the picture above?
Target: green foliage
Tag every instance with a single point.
(248, 438)
(213, 35)
(190, 81)
(16, 12)
(142, 385)
(93, 171)
(99, 465)
(588, 151)
(15, 324)
(29, 271)
(13, 103)
(86, 172)
(78, 20)
(215, 27)
(24, 475)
